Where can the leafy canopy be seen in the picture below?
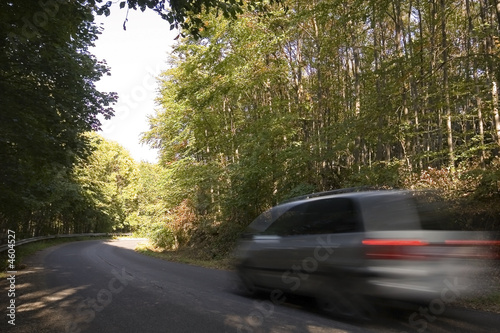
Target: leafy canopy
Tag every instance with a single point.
(48, 99)
(188, 15)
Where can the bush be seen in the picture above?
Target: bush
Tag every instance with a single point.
(160, 235)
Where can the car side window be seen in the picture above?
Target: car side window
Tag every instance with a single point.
(335, 215)
(289, 223)
(330, 216)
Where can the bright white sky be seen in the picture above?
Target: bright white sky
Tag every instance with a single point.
(136, 57)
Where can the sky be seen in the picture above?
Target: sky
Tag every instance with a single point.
(136, 57)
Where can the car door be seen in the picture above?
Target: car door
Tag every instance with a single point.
(273, 250)
(328, 247)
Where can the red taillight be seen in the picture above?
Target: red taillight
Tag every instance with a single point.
(394, 242)
(414, 249)
(401, 249)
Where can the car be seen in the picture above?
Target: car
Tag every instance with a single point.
(352, 249)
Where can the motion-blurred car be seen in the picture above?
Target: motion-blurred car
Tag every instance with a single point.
(350, 250)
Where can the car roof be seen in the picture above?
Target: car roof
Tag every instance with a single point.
(333, 194)
(267, 217)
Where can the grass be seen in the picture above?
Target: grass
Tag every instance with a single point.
(188, 256)
(490, 302)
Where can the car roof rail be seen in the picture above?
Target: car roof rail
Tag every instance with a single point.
(331, 192)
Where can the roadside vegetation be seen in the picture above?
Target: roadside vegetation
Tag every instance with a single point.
(325, 95)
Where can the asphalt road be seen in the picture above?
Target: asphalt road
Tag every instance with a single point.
(104, 286)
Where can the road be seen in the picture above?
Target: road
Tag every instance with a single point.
(104, 286)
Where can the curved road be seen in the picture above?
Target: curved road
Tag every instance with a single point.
(104, 286)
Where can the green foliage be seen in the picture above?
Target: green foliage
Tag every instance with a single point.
(108, 179)
(325, 95)
(489, 181)
(160, 235)
(378, 175)
(48, 98)
(188, 15)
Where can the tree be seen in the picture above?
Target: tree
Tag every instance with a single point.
(329, 94)
(48, 99)
(187, 15)
(108, 179)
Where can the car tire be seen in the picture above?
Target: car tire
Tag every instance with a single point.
(245, 285)
(345, 305)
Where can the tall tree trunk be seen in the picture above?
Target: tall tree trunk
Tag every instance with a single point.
(496, 117)
(446, 86)
(490, 45)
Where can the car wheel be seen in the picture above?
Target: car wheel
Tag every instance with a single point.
(245, 285)
(345, 305)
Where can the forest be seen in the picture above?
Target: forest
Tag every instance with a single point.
(256, 107)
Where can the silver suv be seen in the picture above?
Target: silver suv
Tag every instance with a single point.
(349, 249)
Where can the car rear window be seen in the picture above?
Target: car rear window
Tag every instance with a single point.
(390, 212)
(437, 214)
